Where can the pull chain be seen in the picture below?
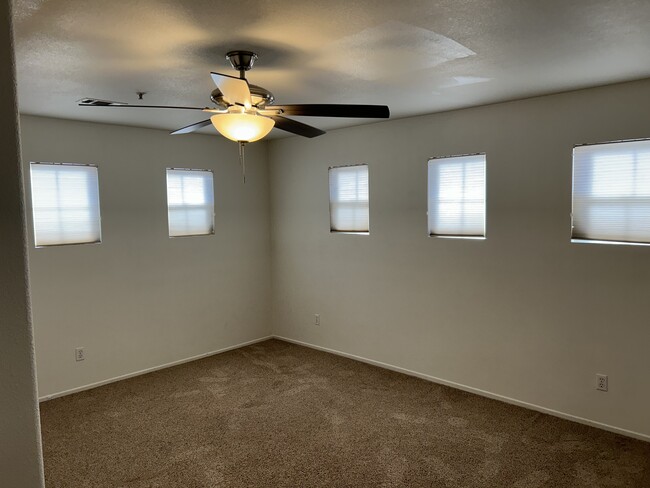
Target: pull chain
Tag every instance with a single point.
(242, 161)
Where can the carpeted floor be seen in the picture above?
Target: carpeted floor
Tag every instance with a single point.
(279, 415)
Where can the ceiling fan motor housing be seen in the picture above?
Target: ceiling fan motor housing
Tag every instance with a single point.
(260, 97)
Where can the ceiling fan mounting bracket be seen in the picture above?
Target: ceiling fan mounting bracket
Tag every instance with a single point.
(241, 60)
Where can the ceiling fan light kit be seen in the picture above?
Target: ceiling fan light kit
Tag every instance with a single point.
(246, 113)
(242, 127)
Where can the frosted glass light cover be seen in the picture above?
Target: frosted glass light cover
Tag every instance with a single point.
(242, 127)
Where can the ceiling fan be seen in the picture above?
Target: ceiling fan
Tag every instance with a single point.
(245, 113)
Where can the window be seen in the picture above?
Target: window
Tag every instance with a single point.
(190, 202)
(611, 192)
(65, 204)
(349, 204)
(456, 201)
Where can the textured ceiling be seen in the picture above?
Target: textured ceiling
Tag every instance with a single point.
(416, 56)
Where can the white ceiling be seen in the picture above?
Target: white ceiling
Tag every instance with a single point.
(416, 56)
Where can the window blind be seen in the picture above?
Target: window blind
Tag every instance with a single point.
(456, 200)
(65, 204)
(349, 202)
(611, 192)
(190, 202)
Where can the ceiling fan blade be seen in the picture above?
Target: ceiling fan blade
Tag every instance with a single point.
(94, 102)
(296, 127)
(235, 90)
(335, 110)
(192, 127)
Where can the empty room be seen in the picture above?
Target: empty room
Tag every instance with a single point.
(325, 244)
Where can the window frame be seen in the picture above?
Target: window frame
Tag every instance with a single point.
(213, 231)
(31, 205)
(329, 196)
(459, 236)
(586, 240)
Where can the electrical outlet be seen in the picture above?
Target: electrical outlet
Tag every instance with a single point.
(601, 382)
(316, 319)
(79, 354)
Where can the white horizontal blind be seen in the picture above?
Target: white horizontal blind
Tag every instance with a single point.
(349, 203)
(611, 192)
(190, 202)
(65, 203)
(456, 200)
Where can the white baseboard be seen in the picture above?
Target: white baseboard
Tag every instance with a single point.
(487, 394)
(149, 370)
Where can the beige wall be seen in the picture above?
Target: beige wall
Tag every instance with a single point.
(524, 314)
(20, 444)
(139, 299)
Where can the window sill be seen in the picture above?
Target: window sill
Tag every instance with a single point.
(180, 236)
(614, 243)
(469, 238)
(65, 244)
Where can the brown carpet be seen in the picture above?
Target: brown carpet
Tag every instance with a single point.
(279, 415)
